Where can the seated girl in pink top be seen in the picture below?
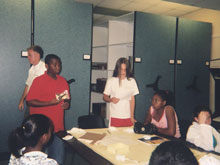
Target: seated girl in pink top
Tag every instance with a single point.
(163, 116)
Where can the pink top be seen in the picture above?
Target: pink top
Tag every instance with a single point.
(162, 123)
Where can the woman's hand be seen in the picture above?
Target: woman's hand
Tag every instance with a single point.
(133, 120)
(114, 100)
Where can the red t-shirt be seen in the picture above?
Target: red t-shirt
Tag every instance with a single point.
(44, 88)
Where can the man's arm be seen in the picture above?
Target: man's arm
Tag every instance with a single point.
(21, 102)
(107, 99)
(37, 103)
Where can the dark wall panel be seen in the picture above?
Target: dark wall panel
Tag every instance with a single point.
(154, 42)
(192, 76)
(14, 36)
(65, 28)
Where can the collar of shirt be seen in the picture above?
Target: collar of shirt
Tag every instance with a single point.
(35, 153)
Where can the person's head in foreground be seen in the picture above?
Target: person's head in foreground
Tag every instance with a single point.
(172, 153)
(34, 132)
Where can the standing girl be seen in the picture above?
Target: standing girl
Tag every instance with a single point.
(119, 92)
(27, 141)
(163, 116)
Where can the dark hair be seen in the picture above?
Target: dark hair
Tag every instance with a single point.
(118, 67)
(201, 108)
(170, 98)
(162, 94)
(172, 153)
(37, 49)
(29, 133)
(49, 57)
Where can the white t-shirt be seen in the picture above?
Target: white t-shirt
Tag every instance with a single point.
(32, 158)
(124, 92)
(202, 136)
(35, 71)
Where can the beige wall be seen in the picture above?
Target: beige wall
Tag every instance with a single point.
(212, 16)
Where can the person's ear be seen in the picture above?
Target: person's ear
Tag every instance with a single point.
(196, 119)
(44, 138)
(46, 65)
(38, 55)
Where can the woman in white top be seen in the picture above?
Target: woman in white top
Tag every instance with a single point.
(27, 141)
(119, 91)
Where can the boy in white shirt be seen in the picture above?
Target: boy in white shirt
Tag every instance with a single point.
(201, 133)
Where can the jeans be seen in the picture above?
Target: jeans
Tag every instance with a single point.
(55, 149)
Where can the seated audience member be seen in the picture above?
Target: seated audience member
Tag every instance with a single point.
(27, 141)
(172, 153)
(163, 116)
(201, 133)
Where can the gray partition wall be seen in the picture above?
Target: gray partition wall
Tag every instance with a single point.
(14, 37)
(192, 76)
(61, 27)
(154, 43)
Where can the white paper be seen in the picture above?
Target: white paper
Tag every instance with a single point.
(67, 137)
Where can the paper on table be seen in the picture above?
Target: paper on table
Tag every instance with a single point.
(75, 130)
(112, 128)
(124, 158)
(67, 137)
(118, 148)
(86, 141)
(129, 130)
(111, 139)
(94, 137)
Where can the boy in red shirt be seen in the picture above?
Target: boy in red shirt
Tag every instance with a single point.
(49, 95)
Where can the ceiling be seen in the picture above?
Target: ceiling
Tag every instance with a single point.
(108, 9)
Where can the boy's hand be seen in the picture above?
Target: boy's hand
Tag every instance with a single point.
(65, 105)
(55, 101)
